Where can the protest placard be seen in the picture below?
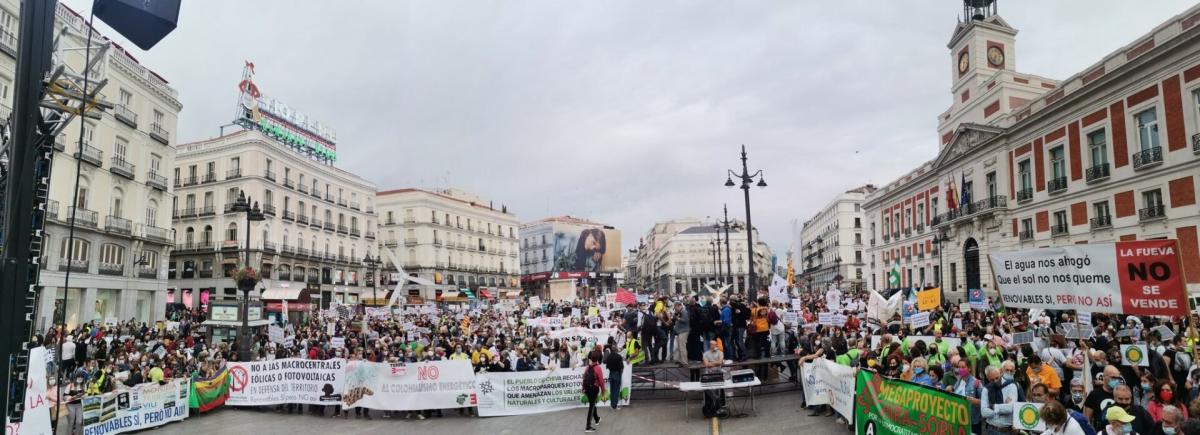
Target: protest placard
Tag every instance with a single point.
(791, 318)
(275, 334)
(1084, 317)
(337, 342)
(919, 320)
(1164, 332)
(409, 387)
(825, 318)
(1142, 277)
(797, 305)
(1134, 355)
(1022, 338)
(1027, 416)
(929, 299)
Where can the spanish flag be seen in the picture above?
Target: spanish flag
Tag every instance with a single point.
(208, 394)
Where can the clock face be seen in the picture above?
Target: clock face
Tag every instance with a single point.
(963, 62)
(995, 56)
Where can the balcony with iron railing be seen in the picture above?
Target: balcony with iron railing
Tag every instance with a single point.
(147, 272)
(187, 181)
(208, 210)
(410, 241)
(231, 207)
(160, 134)
(51, 209)
(354, 232)
(268, 209)
(1057, 230)
(342, 229)
(288, 215)
(233, 173)
(1025, 194)
(1025, 235)
(230, 245)
(315, 223)
(122, 167)
(329, 198)
(315, 193)
(370, 235)
(110, 269)
(90, 154)
(161, 235)
(302, 188)
(1152, 213)
(268, 247)
(268, 174)
(302, 219)
(977, 208)
(1147, 157)
(206, 273)
(354, 205)
(1097, 172)
(83, 217)
(288, 184)
(156, 181)
(118, 225)
(210, 177)
(125, 115)
(79, 266)
(1056, 185)
(1101, 222)
(370, 209)
(329, 226)
(1196, 143)
(341, 201)
(8, 41)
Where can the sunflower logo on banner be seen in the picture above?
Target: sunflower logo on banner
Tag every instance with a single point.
(1028, 416)
(1134, 355)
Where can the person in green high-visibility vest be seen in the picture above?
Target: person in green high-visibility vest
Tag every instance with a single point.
(633, 351)
(938, 349)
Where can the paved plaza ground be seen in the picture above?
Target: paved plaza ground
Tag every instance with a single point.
(777, 414)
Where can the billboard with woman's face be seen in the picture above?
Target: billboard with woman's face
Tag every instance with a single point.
(587, 250)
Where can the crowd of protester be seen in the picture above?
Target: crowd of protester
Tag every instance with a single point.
(1083, 383)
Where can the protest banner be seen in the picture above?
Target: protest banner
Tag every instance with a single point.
(1134, 355)
(791, 318)
(885, 406)
(920, 319)
(290, 380)
(337, 342)
(964, 307)
(839, 320)
(275, 334)
(816, 392)
(141, 407)
(977, 300)
(1143, 277)
(1028, 416)
(535, 301)
(929, 299)
(833, 298)
(838, 381)
(1022, 338)
(797, 305)
(36, 419)
(445, 384)
(518, 393)
(547, 322)
(580, 334)
(825, 318)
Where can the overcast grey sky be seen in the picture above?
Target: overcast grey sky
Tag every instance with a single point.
(623, 112)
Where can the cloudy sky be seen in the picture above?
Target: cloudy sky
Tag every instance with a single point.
(625, 112)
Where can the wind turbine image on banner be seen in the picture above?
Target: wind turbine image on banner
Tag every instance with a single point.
(404, 278)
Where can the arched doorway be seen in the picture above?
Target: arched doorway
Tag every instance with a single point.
(971, 263)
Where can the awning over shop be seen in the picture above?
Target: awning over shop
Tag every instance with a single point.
(485, 293)
(468, 293)
(512, 294)
(450, 294)
(282, 292)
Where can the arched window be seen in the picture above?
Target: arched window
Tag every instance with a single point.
(115, 207)
(353, 223)
(231, 232)
(328, 216)
(341, 220)
(152, 213)
(189, 235)
(207, 237)
(112, 254)
(75, 250)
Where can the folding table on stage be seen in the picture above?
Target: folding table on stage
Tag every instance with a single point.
(690, 387)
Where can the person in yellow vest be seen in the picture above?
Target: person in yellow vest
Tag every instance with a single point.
(633, 351)
(760, 325)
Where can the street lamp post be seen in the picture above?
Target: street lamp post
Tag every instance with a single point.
(937, 242)
(253, 214)
(746, 179)
(372, 264)
(717, 247)
(726, 224)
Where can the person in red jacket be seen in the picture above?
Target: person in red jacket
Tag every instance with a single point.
(593, 388)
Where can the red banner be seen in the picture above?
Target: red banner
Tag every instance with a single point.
(1151, 278)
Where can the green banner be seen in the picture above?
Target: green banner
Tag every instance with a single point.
(885, 406)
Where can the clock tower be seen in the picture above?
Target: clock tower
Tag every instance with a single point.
(982, 44)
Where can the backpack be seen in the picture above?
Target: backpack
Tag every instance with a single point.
(772, 318)
(1182, 362)
(1082, 420)
(589, 378)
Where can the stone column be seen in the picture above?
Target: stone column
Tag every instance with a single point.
(87, 307)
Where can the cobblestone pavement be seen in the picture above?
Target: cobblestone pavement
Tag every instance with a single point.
(778, 413)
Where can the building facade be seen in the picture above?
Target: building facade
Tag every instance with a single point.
(122, 237)
(1106, 155)
(680, 256)
(457, 240)
(319, 222)
(833, 242)
(548, 245)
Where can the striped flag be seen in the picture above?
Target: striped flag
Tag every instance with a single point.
(626, 297)
(208, 394)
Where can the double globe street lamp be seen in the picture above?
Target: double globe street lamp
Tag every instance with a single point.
(246, 284)
(746, 178)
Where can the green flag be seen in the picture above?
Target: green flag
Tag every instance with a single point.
(894, 275)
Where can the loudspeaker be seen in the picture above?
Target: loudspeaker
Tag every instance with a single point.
(142, 22)
(739, 376)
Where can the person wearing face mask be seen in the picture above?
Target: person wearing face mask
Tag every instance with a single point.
(1119, 422)
(1100, 398)
(1077, 394)
(1172, 420)
(1059, 422)
(1162, 396)
(968, 386)
(996, 403)
(1123, 398)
